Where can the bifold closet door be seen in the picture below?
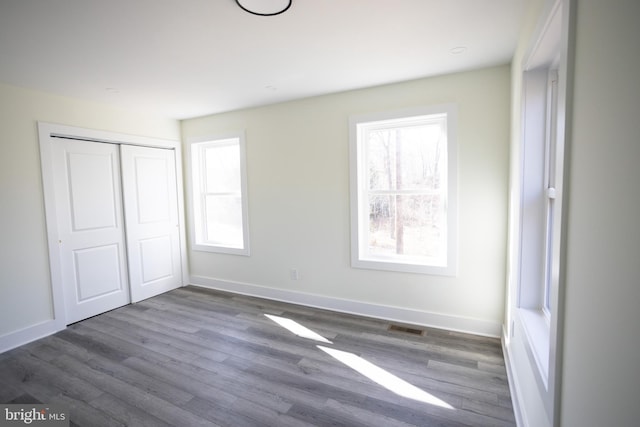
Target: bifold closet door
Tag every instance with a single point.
(90, 227)
(151, 218)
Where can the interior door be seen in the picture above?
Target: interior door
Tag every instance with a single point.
(151, 217)
(90, 227)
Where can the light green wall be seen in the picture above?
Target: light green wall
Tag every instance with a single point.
(601, 374)
(298, 176)
(25, 284)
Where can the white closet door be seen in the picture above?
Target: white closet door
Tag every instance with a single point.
(90, 227)
(151, 217)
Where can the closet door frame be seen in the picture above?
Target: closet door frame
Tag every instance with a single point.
(47, 134)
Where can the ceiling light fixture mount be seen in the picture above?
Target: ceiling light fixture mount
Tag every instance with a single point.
(264, 7)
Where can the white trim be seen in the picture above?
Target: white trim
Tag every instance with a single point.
(519, 410)
(29, 334)
(385, 312)
(46, 159)
(240, 137)
(64, 131)
(547, 37)
(46, 134)
(541, 337)
(356, 176)
(536, 336)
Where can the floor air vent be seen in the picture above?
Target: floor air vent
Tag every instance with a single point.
(406, 330)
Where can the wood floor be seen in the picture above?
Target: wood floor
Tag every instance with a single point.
(196, 357)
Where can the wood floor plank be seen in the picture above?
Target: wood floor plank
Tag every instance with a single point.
(124, 412)
(137, 337)
(311, 415)
(93, 345)
(231, 383)
(27, 368)
(370, 418)
(25, 384)
(402, 341)
(217, 413)
(264, 386)
(255, 343)
(494, 411)
(174, 375)
(84, 414)
(9, 392)
(153, 331)
(196, 356)
(145, 401)
(150, 384)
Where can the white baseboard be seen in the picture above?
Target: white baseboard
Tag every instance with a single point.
(27, 335)
(513, 383)
(395, 314)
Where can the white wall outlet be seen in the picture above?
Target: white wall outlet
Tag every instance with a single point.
(294, 274)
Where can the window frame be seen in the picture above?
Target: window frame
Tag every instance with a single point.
(552, 170)
(359, 203)
(195, 179)
(536, 250)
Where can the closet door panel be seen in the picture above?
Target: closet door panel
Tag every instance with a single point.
(151, 217)
(90, 227)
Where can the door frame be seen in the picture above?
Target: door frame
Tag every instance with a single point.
(47, 134)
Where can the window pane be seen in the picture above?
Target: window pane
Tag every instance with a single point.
(224, 220)
(421, 151)
(222, 166)
(414, 226)
(380, 160)
(407, 158)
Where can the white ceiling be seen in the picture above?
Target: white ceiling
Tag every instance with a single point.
(188, 58)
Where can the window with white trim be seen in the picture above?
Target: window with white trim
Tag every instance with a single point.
(403, 190)
(537, 313)
(218, 195)
(542, 170)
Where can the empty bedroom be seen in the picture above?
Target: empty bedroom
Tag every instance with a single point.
(315, 213)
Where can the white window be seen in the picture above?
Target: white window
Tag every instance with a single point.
(539, 268)
(219, 195)
(552, 167)
(403, 190)
(541, 190)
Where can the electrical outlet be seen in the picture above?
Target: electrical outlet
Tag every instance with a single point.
(294, 274)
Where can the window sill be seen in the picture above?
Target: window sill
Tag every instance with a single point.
(220, 249)
(403, 267)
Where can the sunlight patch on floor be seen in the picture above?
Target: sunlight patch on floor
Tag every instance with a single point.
(297, 328)
(384, 378)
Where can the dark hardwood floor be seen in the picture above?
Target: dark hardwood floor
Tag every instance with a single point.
(197, 357)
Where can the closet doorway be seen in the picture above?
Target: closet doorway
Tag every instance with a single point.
(113, 218)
